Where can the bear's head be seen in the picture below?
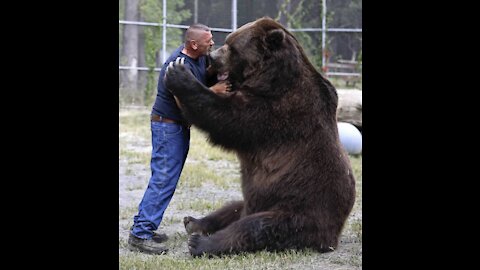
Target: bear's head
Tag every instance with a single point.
(266, 64)
(261, 56)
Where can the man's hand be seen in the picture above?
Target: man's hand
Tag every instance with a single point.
(221, 87)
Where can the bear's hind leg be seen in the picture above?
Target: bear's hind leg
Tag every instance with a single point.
(215, 221)
(270, 230)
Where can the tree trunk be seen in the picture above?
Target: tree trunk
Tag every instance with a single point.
(130, 46)
(350, 107)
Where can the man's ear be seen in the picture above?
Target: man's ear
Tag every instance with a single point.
(274, 38)
(194, 44)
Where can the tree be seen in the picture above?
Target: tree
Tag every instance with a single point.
(141, 45)
(300, 14)
(129, 55)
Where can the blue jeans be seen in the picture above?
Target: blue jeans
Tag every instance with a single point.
(170, 144)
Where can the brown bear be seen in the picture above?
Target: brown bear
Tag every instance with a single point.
(280, 119)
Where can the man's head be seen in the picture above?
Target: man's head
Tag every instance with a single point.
(198, 40)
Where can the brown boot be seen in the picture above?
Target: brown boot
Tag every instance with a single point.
(145, 245)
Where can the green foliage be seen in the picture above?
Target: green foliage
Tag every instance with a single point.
(151, 39)
(301, 13)
(152, 11)
(304, 13)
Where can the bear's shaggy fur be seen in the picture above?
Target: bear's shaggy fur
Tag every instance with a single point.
(280, 119)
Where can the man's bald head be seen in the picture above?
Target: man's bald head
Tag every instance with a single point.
(195, 32)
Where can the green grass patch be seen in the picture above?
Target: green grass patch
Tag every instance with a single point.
(136, 119)
(171, 220)
(201, 205)
(136, 157)
(356, 228)
(200, 147)
(259, 260)
(194, 175)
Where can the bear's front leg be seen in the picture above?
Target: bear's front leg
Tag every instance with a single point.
(179, 80)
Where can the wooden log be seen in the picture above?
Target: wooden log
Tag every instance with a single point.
(350, 107)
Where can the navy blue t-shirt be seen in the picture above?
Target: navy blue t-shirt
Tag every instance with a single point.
(165, 104)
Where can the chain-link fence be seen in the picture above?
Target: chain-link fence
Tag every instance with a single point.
(330, 31)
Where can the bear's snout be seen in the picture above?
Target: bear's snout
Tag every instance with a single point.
(218, 59)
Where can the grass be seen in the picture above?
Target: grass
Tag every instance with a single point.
(203, 149)
(199, 173)
(209, 180)
(201, 205)
(135, 157)
(290, 259)
(127, 212)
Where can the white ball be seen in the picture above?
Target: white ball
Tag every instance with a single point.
(350, 137)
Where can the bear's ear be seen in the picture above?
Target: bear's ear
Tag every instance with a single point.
(275, 38)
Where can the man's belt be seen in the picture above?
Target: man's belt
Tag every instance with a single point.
(158, 118)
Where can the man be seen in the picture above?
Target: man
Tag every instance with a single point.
(170, 142)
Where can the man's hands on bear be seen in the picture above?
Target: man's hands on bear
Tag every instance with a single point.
(221, 87)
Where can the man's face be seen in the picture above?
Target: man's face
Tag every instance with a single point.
(205, 43)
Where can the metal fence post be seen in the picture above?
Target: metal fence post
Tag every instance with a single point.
(324, 30)
(164, 34)
(234, 15)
